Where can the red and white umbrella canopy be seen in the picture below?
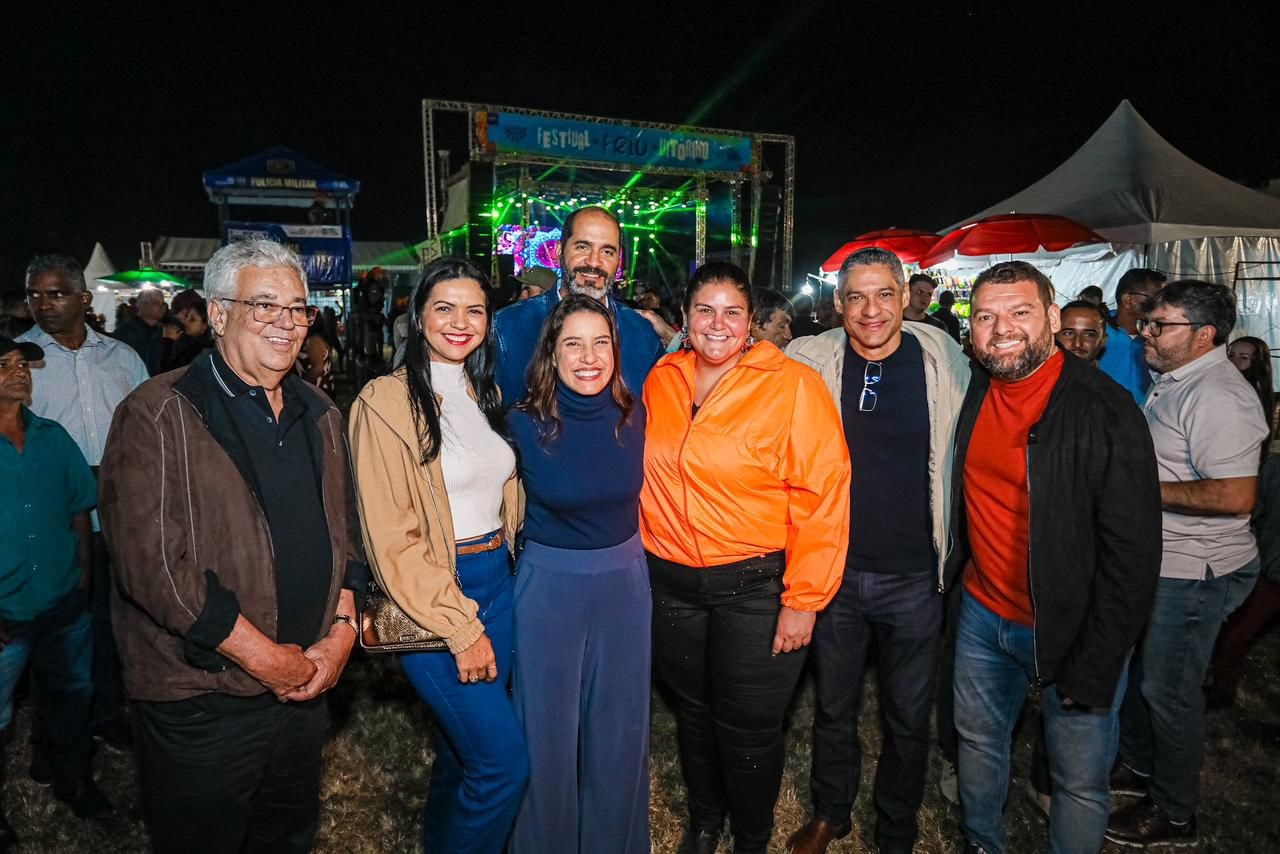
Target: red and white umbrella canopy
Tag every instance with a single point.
(908, 244)
(1006, 236)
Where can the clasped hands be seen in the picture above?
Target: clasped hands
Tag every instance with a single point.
(295, 674)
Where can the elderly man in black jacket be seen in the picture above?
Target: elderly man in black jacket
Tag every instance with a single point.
(1058, 538)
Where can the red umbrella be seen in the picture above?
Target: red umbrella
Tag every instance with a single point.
(907, 243)
(1011, 234)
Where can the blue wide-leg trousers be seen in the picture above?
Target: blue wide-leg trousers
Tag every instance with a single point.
(582, 688)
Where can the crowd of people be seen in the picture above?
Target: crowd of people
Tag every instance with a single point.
(571, 499)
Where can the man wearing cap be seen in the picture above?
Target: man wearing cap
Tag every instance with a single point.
(47, 491)
(590, 252)
(81, 381)
(535, 282)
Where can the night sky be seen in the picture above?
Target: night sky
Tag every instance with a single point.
(903, 116)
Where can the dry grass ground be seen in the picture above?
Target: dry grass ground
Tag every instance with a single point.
(379, 758)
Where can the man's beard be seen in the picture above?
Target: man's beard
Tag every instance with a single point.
(576, 287)
(1163, 361)
(1019, 367)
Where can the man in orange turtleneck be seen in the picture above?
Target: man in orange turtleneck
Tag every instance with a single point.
(1059, 542)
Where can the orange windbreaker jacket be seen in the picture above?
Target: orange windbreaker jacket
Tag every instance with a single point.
(763, 467)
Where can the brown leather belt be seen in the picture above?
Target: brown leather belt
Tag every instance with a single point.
(496, 543)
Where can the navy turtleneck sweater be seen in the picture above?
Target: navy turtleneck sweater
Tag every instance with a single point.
(582, 487)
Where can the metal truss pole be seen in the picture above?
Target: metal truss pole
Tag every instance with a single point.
(700, 226)
(735, 225)
(429, 164)
(757, 192)
(788, 210)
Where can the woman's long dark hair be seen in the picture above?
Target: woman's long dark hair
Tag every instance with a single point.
(540, 402)
(478, 366)
(1259, 376)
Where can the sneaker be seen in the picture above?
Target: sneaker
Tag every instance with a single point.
(948, 784)
(115, 736)
(1143, 823)
(1039, 798)
(1126, 781)
(41, 771)
(84, 797)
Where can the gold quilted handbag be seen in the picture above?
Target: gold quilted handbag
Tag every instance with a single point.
(386, 628)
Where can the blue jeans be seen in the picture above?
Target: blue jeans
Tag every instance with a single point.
(898, 620)
(995, 666)
(59, 644)
(481, 764)
(1163, 718)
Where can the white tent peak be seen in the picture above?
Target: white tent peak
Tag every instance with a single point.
(99, 265)
(1129, 184)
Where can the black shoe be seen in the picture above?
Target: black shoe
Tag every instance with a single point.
(1216, 699)
(974, 848)
(8, 839)
(115, 735)
(1143, 823)
(41, 771)
(84, 797)
(1126, 781)
(698, 841)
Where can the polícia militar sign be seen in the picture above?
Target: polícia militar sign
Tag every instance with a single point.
(325, 249)
(554, 138)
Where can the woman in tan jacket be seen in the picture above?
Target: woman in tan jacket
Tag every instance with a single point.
(439, 506)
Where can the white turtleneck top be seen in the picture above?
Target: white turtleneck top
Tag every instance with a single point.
(477, 462)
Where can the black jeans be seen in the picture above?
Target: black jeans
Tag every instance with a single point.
(108, 687)
(899, 617)
(713, 632)
(948, 738)
(231, 781)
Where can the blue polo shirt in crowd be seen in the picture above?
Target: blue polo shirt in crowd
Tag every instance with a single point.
(42, 488)
(1123, 361)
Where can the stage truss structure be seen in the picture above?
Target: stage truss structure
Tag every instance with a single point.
(527, 184)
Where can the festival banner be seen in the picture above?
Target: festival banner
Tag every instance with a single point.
(325, 249)
(516, 133)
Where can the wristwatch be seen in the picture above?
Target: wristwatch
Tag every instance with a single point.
(346, 618)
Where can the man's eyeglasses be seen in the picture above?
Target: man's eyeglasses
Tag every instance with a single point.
(270, 312)
(1157, 326)
(870, 379)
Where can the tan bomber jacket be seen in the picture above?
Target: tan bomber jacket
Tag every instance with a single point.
(405, 518)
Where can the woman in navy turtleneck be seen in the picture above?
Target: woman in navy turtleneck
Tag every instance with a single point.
(582, 607)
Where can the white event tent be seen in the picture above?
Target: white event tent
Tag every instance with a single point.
(1164, 210)
(104, 294)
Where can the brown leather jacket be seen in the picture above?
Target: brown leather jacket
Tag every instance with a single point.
(175, 509)
(404, 510)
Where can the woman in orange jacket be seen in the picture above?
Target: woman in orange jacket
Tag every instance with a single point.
(745, 519)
